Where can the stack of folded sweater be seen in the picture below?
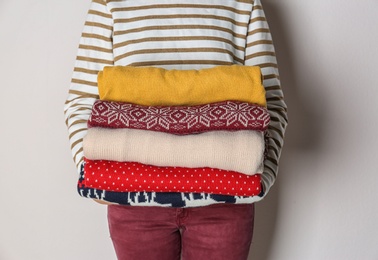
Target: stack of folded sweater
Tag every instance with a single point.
(176, 131)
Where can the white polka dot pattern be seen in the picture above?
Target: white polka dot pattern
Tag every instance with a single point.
(135, 177)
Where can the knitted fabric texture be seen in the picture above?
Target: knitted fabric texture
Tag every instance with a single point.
(229, 115)
(162, 199)
(151, 86)
(240, 151)
(132, 176)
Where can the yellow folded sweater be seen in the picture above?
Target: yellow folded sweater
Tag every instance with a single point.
(152, 86)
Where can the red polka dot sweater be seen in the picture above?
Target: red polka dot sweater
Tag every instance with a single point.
(132, 176)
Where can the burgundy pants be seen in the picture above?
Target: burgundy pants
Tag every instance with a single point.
(221, 231)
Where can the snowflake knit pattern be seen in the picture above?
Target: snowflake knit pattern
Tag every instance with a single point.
(228, 115)
(134, 177)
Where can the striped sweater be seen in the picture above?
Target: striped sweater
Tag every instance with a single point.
(171, 34)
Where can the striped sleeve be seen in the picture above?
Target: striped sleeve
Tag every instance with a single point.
(260, 51)
(95, 51)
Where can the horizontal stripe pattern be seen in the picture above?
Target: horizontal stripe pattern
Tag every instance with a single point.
(186, 34)
(260, 51)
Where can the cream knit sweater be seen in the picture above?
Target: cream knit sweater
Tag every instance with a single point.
(240, 151)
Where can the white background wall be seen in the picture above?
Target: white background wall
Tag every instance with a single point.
(324, 204)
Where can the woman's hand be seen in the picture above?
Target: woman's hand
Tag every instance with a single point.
(103, 202)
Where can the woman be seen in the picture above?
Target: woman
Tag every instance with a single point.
(182, 35)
